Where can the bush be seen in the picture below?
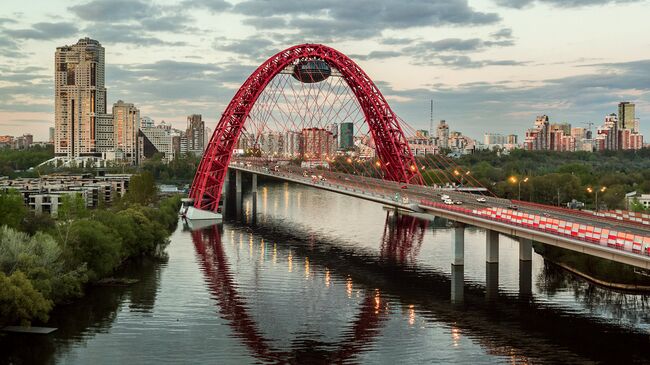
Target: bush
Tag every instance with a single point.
(95, 244)
(20, 302)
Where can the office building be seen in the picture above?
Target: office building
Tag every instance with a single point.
(195, 134)
(317, 143)
(126, 123)
(346, 136)
(625, 115)
(443, 134)
(79, 96)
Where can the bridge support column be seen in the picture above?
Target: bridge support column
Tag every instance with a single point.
(525, 249)
(238, 194)
(254, 194)
(457, 283)
(458, 249)
(224, 192)
(492, 246)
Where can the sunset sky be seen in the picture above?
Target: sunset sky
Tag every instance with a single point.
(489, 65)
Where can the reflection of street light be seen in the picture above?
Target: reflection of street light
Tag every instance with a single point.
(601, 189)
(514, 180)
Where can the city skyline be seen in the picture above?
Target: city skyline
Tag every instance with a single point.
(483, 60)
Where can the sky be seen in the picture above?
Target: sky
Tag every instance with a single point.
(489, 65)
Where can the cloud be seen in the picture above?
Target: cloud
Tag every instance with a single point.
(124, 33)
(214, 6)
(344, 19)
(376, 55)
(504, 33)
(252, 47)
(113, 10)
(472, 107)
(44, 31)
(452, 52)
(519, 4)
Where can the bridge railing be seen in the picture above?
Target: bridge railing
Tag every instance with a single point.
(595, 235)
(591, 215)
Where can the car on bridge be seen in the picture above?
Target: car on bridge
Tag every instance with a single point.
(481, 200)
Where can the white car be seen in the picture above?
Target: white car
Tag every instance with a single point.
(458, 202)
(444, 197)
(449, 202)
(481, 200)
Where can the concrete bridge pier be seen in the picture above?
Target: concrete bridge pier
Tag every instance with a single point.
(458, 245)
(224, 192)
(254, 195)
(491, 264)
(458, 264)
(492, 246)
(525, 268)
(238, 192)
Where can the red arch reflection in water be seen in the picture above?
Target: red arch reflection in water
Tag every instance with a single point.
(402, 238)
(232, 308)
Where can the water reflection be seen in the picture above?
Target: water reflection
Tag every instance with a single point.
(308, 349)
(318, 279)
(80, 321)
(519, 328)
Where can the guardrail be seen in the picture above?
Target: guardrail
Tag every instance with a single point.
(605, 237)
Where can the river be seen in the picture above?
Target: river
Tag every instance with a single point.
(316, 277)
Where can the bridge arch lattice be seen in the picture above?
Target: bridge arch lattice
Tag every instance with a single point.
(391, 145)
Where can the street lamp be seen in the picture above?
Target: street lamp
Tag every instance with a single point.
(514, 180)
(592, 190)
(462, 175)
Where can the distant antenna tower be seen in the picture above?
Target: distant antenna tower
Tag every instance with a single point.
(431, 120)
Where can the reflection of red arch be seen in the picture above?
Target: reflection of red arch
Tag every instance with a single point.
(215, 267)
(392, 148)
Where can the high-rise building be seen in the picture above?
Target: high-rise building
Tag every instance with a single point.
(271, 144)
(317, 143)
(512, 139)
(126, 123)
(291, 144)
(537, 137)
(146, 122)
(625, 115)
(346, 136)
(105, 139)
(51, 139)
(443, 134)
(195, 134)
(494, 138)
(153, 140)
(79, 97)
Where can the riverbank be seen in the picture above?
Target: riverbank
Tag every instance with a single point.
(63, 257)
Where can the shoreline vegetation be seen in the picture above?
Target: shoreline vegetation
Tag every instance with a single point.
(46, 262)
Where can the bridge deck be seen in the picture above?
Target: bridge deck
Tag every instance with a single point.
(620, 241)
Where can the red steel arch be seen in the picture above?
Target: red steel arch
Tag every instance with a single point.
(398, 163)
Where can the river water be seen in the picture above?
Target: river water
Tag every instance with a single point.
(317, 278)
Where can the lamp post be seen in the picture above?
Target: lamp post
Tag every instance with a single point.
(592, 190)
(462, 175)
(514, 180)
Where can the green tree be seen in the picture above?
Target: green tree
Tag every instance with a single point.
(12, 208)
(96, 245)
(142, 190)
(20, 302)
